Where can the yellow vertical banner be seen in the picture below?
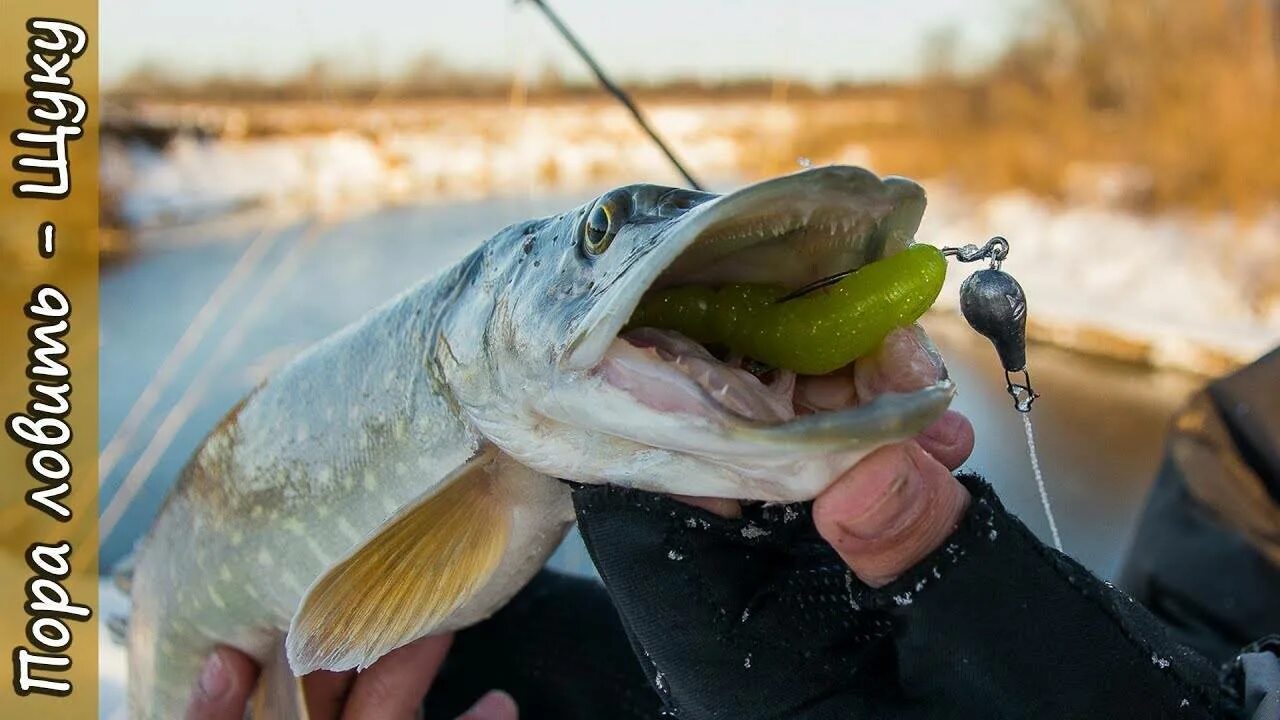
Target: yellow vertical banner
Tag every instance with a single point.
(48, 358)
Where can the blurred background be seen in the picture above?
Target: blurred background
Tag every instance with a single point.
(272, 170)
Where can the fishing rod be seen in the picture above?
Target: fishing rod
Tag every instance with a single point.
(614, 90)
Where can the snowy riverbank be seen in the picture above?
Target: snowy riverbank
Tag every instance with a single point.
(1161, 290)
(1173, 290)
(445, 152)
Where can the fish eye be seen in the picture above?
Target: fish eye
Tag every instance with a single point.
(597, 231)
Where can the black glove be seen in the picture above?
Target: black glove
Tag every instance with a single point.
(557, 648)
(758, 618)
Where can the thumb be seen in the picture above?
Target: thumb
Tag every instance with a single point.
(890, 511)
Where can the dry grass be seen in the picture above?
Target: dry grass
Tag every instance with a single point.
(1176, 103)
(1183, 95)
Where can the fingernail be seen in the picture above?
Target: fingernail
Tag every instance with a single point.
(495, 705)
(885, 505)
(214, 680)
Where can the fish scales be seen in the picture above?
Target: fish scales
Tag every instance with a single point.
(251, 493)
(399, 478)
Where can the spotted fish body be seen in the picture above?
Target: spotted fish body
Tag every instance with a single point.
(397, 480)
(299, 474)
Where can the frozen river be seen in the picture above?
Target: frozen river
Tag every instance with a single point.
(1099, 424)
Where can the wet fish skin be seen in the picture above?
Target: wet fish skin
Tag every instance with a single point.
(493, 357)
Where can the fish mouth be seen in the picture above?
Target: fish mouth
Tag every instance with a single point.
(789, 232)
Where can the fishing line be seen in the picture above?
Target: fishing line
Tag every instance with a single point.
(616, 91)
(122, 439)
(139, 475)
(1035, 469)
(990, 300)
(994, 304)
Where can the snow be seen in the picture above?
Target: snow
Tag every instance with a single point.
(112, 660)
(534, 150)
(1163, 284)
(195, 179)
(1172, 289)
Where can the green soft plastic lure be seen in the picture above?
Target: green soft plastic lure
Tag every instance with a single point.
(812, 334)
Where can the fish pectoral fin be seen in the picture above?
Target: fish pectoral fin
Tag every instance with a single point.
(402, 583)
(279, 694)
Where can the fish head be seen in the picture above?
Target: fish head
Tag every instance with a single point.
(540, 364)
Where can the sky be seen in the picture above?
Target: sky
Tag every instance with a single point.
(815, 40)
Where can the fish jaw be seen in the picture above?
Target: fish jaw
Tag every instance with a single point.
(612, 409)
(789, 231)
(785, 231)
(594, 432)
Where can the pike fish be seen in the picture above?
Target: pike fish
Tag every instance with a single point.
(402, 477)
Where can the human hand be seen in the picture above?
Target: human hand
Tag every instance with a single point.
(865, 603)
(391, 689)
(894, 507)
(898, 504)
(768, 610)
(901, 502)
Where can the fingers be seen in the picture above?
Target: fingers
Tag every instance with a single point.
(891, 510)
(904, 362)
(724, 507)
(393, 687)
(494, 705)
(949, 439)
(327, 693)
(834, 391)
(224, 687)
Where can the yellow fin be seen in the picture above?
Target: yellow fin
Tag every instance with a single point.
(424, 564)
(279, 695)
